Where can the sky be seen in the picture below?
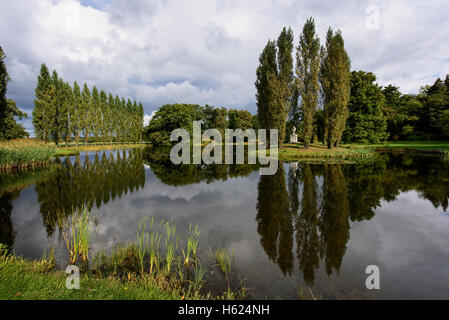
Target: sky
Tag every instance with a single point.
(205, 51)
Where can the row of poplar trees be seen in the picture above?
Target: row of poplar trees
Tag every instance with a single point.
(65, 113)
(321, 77)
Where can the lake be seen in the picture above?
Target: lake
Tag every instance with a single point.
(310, 229)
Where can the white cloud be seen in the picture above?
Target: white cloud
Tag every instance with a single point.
(175, 51)
(147, 118)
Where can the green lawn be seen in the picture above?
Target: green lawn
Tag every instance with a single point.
(23, 280)
(318, 151)
(410, 145)
(75, 150)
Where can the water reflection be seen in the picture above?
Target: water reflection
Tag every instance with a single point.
(321, 200)
(87, 183)
(182, 175)
(7, 232)
(301, 223)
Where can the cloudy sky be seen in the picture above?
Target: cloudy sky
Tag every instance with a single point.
(207, 51)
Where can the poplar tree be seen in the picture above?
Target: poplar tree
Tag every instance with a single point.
(307, 71)
(62, 112)
(103, 116)
(57, 113)
(141, 116)
(286, 76)
(129, 120)
(42, 104)
(110, 117)
(274, 83)
(270, 107)
(335, 78)
(4, 79)
(117, 118)
(69, 104)
(86, 123)
(76, 113)
(95, 114)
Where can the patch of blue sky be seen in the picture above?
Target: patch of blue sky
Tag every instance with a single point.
(97, 4)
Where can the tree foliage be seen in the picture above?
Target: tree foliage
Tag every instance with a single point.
(366, 121)
(335, 77)
(274, 83)
(62, 112)
(307, 70)
(9, 128)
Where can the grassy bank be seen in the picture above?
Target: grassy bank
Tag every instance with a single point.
(38, 280)
(438, 146)
(319, 152)
(62, 151)
(25, 153)
(158, 265)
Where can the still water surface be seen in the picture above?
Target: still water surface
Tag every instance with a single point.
(310, 225)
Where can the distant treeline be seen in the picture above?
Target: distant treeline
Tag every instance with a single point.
(320, 96)
(327, 102)
(375, 114)
(173, 116)
(65, 113)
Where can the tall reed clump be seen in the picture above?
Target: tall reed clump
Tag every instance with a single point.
(155, 239)
(25, 153)
(157, 256)
(142, 242)
(171, 245)
(224, 261)
(192, 245)
(78, 236)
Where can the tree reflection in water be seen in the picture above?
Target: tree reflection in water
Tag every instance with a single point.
(88, 183)
(302, 214)
(322, 199)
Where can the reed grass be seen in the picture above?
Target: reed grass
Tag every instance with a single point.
(171, 245)
(25, 153)
(224, 261)
(142, 242)
(144, 260)
(192, 245)
(155, 240)
(78, 235)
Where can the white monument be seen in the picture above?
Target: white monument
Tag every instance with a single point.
(294, 136)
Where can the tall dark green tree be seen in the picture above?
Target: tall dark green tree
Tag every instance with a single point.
(269, 97)
(9, 128)
(307, 70)
(366, 122)
(42, 104)
(103, 116)
(86, 113)
(4, 79)
(435, 118)
(335, 78)
(57, 113)
(286, 76)
(95, 114)
(76, 116)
